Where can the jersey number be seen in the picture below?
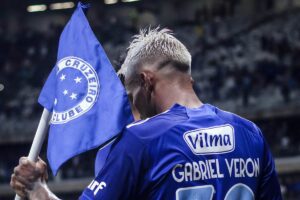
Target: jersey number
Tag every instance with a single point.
(238, 191)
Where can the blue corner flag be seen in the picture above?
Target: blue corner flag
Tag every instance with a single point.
(88, 102)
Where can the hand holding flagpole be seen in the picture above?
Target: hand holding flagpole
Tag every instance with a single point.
(39, 138)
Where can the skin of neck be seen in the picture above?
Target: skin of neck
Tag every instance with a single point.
(175, 87)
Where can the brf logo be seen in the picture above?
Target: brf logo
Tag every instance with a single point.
(95, 186)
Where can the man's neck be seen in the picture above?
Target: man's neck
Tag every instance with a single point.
(165, 99)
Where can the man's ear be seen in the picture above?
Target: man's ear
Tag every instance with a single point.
(192, 80)
(147, 80)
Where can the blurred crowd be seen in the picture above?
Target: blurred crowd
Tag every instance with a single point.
(256, 67)
(290, 186)
(25, 61)
(79, 167)
(282, 134)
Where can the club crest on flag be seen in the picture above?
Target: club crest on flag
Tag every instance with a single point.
(78, 88)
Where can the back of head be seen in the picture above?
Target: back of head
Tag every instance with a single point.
(156, 46)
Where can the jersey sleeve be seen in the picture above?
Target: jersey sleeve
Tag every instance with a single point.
(120, 174)
(269, 187)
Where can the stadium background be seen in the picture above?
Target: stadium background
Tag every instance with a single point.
(246, 59)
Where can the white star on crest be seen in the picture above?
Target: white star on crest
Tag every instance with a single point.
(55, 101)
(62, 77)
(73, 96)
(65, 92)
(77, 79)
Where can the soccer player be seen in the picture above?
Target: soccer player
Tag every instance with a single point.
(182, 149)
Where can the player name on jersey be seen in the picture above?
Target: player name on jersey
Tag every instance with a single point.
(210, 169)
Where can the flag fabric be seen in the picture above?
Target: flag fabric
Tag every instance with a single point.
(88, 102)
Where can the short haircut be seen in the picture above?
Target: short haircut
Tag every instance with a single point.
(151, 45)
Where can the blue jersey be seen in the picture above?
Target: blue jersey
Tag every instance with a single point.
(188, 154)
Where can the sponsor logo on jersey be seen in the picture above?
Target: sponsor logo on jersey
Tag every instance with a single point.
(212, 140)
(95, 186)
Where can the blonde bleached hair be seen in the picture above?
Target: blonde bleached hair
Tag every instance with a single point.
(151, 45)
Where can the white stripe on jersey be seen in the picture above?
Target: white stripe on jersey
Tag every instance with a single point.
(143, 121)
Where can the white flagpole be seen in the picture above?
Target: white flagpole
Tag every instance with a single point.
(39, 138)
